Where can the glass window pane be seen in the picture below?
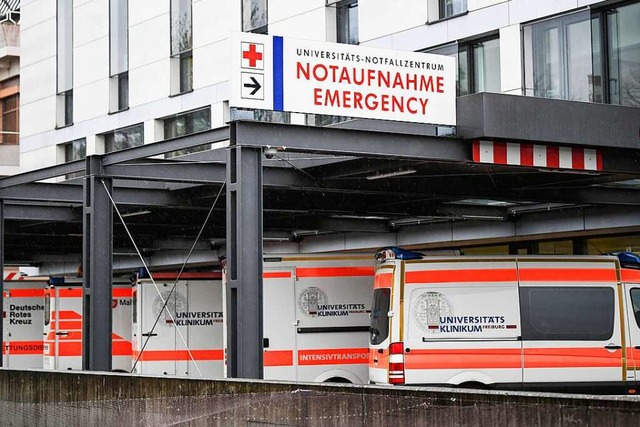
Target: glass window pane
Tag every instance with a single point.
(10, 120)
(567, 313)
(624, 54)
(254, 14)
(578, 61)
(65, 45)
(118, 36)
(463, 72)
(121, 139)
(558, 58)
(452, 7)
(75, 150)
(181, 26)
(486, 73)
(186, 72)
(379, 328)
(347, 22)
(635, 301)
(186, 124)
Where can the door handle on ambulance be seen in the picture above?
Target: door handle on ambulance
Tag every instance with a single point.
(149, 334)
(62, 333)
(613, 347)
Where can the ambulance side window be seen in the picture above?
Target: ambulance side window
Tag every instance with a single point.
(379, 328)
(567, 313)
(134, 308)
(47, 309)
(635, 300)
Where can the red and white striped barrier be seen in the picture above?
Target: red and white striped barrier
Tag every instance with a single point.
(535, 155)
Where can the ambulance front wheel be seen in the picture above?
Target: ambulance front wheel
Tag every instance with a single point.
(338, 376)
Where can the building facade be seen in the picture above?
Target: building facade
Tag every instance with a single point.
(103, 75)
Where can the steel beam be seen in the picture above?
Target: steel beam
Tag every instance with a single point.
(97, 261)
(193, 173)
(352, 142)
(244, 262)
(41, 213)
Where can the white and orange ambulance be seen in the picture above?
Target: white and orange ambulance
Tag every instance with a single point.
(183, 337)
(569, 323)
(63, 324)
(316, 316)
(23, 314)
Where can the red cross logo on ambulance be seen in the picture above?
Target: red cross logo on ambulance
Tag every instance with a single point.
(252, 55)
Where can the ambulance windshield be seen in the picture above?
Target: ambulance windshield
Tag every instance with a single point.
(379, 329)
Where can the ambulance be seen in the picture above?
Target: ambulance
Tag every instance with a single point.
(177, 324)
(23, 315)
(63, 324)
(555, 323)
(316, 317)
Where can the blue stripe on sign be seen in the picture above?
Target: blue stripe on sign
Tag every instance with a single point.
(278, 97)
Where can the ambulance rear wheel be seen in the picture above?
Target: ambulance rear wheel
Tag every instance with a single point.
(474, 385)
(337, 380)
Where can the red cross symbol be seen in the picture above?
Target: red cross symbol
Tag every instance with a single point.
(252, 55)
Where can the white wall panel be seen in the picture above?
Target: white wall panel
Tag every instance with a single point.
(38, 158)
(382, 18)
(91, 100)
(149, 83)
(38, 43)
(309, 25)
(478, 22)
(214, 21)
(526, 10)
(481, 4)
(510, 59)
(90, 22)
(211, 64)
(144, 10)
(149, 42)
(35, 117)
(91, 62)
(44, 73)
(35, 12)
(280, 10)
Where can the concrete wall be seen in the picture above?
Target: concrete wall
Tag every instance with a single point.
(61, 398)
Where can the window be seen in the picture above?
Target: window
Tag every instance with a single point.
(347, 21)
(75, 150)
(10, 120)
(478, 64)
(567, 313)
(118, 55)
(449, 8)
(254, 16)
(186, 124)
(635, 301)
(558, 62)
(623, 48)
(47, 309)
(181, 47)
(121, 139)
(379, 329)
(64, 63)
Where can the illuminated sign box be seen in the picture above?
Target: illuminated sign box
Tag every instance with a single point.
(282, 74)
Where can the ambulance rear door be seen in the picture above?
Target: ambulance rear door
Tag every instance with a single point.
(67, 305)
(279, 342)
(24, 316)
(333, 301)
(156, 340)
(632, 301)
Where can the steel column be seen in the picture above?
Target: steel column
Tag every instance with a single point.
(97, 268)
(244, 261)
